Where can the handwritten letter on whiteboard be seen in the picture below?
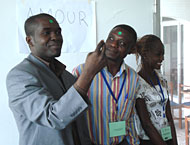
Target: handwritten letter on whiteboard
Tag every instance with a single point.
(77, 20)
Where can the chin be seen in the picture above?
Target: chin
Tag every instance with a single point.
(111, 57)
(158, 68)
(57, 55)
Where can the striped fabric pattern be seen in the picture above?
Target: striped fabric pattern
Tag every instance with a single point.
(103, 110)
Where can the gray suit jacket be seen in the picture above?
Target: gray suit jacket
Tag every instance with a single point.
(43, 108)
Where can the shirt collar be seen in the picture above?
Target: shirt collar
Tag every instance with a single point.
(56, 66)
(45, 62)
(120, 72)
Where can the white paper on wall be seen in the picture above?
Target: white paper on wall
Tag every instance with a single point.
(77, 20)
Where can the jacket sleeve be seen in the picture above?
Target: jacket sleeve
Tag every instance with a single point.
(28, 98)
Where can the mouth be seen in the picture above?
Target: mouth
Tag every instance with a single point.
(111, 50)
(159, 64)
(55, 45)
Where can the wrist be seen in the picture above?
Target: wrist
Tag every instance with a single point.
(80, 90)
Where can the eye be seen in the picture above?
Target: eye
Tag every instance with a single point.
(121, 43)
(110, 38)
(58, 32)
(46, 32)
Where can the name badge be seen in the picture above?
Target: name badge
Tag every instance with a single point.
(117, 128)
(166, 133)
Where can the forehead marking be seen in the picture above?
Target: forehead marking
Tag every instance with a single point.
(50, 21)
(119, 33)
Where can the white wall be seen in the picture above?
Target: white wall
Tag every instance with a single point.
(137, 13)
(186, 53)
(178, 9)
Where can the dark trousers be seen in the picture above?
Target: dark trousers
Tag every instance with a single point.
(148, 142)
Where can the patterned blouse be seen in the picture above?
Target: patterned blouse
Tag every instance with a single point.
(154, 102)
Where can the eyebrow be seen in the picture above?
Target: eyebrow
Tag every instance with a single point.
(48, 28)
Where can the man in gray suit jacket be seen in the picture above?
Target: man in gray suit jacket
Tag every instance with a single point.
(45, 98)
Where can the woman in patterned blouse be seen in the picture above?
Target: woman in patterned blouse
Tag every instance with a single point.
(154, 122)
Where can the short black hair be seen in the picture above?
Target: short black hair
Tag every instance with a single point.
(32, 21)
(131, 31)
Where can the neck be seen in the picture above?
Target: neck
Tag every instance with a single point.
(47, 60)
(147, 71)
(148, 74)
(113, 67)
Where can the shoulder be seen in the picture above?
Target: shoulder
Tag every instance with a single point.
(22, 66)
(130, 70)
(78, 69)
(162, 78)
(143, 88)
(28, 66)
(20, 76)
(28, 69)
(160, 75)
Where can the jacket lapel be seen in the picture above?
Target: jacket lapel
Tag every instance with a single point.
(45, 69)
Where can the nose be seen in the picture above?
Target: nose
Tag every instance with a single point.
(114, 44)
(55, 36)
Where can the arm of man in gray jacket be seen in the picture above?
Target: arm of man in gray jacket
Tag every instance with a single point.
(27, 96)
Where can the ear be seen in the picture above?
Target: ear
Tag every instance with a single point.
(29, 40)
(133, 50)
(145, 58)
